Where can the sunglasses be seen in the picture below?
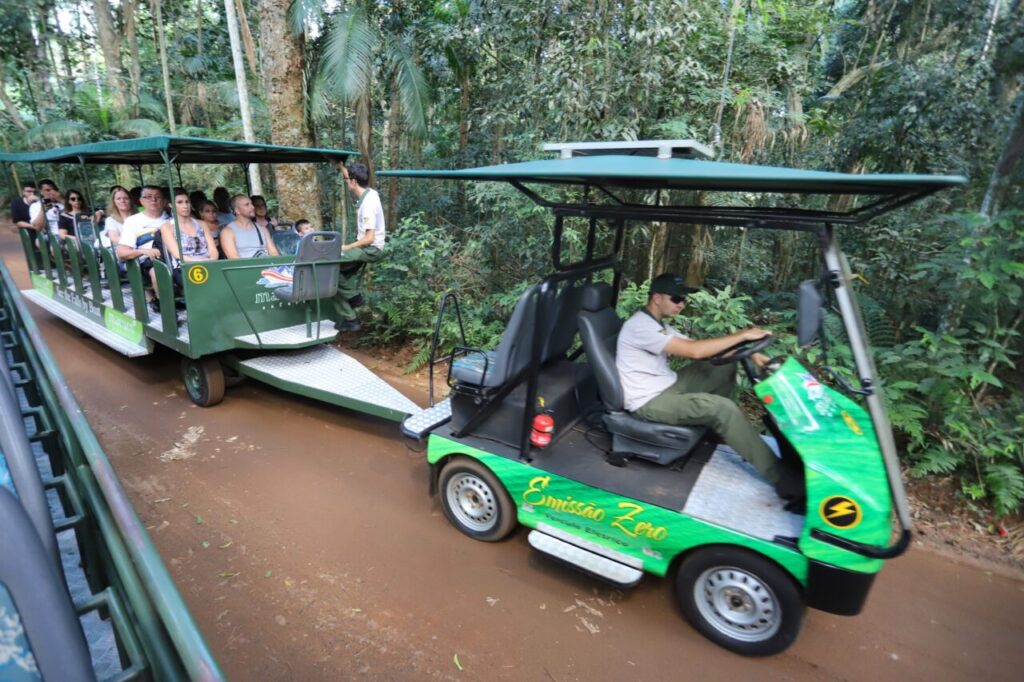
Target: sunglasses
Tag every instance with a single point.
(75, 199)
(677, 299)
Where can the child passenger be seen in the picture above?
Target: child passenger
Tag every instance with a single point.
(303, 227)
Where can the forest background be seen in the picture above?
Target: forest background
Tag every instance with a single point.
(913, 86)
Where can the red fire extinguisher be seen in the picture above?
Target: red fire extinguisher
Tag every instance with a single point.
(543, 429)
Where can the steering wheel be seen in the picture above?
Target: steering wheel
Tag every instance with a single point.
(741, 351)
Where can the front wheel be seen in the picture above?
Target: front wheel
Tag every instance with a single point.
(740, 600)
(475, 501)
(204, 380)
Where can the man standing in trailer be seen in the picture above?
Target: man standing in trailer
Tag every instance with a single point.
(367, 248)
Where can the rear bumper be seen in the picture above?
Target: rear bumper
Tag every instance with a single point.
(837, 590)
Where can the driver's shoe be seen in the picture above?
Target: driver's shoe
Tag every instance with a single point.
(792, 489)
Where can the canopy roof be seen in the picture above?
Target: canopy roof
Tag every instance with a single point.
(161, 148)
(640, 172)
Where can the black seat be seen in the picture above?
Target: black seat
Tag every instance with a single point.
(631, 436)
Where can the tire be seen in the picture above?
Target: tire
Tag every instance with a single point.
(740, 600)
(204, 380)
(475, 501)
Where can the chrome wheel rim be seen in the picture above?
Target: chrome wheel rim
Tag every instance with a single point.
(737, 604)
(472, 502)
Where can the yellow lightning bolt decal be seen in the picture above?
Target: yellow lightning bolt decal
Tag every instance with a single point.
(841, 509)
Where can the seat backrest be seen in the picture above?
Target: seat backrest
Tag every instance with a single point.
(307, 286)
(513, 352)
(599, 332)
(561, 321)
(287, 243)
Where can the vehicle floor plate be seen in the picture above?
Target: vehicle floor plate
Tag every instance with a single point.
(325, 368)
(289, 335)
(420, 423)
(729, 492)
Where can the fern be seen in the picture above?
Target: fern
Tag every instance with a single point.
(936, 460)
(1005, 483)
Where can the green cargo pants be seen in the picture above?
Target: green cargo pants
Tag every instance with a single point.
(353, 262)
(700, 397)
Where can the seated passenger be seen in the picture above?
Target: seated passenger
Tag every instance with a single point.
(20, 214)
(45, 213)
(304, 227)
(67, 221)
(699, 394)
(207, 214)
(139, 230)
(262, 219)
(242, 238)
(196, 197)
(222, 198)
(367, 248)
(197, 242)
(111, 220)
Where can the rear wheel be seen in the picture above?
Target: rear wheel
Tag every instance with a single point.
(204, 380)
(740, 600)
(475, 501)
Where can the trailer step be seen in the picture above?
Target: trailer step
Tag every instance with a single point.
(90, 326)
(421, 423)
(325, 373)
(288, 337)
(586, 556)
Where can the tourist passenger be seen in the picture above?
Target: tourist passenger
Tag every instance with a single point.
(222, 198)
(262, 219)
(242, 238)
(67, 221)
(139, 231)
(119, 209)
(367, 248)
(21, 216)
(45, 214)
(196, 198)
(303, 227)
(700, 393)
(197, 242)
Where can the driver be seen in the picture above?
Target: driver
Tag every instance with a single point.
(699, 394)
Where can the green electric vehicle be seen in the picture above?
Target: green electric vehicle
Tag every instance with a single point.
(262, 317)
(629, 497)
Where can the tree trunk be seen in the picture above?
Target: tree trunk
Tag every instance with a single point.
(243, 90)
(394, 156)
(364, 132)
(130, 9)
(9, 108)
(110, 44)
(247, 41)
(158, 23)
(43, 65)
(284, 87)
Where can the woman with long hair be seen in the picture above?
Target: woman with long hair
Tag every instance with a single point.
(119, 207)
(197, 242)
(74, 206)
(262, 219)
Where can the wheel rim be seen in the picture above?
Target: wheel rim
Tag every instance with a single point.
(194, 380)
(472, 502)
(737, 604)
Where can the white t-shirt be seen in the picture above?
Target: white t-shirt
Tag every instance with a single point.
(52, 216)
(109, 223)
(370, 216)
(642, 361)
(138, 227)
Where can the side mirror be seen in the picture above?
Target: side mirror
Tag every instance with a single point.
(809, 313)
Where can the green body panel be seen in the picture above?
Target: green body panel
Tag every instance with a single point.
(224, 299)
(839, 448)
(651, 534)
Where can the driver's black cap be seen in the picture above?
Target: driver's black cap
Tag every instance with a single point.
(668, 283)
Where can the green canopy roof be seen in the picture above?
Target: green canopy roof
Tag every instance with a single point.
(690, 174)
(152, 150)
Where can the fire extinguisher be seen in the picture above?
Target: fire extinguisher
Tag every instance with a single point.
(543, 430)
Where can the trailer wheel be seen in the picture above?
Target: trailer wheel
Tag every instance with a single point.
(475, 501)
(740, 600)
(204, 380)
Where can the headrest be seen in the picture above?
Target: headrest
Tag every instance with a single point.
(596, 296)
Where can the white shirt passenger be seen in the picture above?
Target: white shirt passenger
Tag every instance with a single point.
(139, 229)
(52, 215)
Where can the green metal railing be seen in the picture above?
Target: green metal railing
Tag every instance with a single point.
(156, 635)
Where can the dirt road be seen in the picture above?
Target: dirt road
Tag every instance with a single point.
(304, 541)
